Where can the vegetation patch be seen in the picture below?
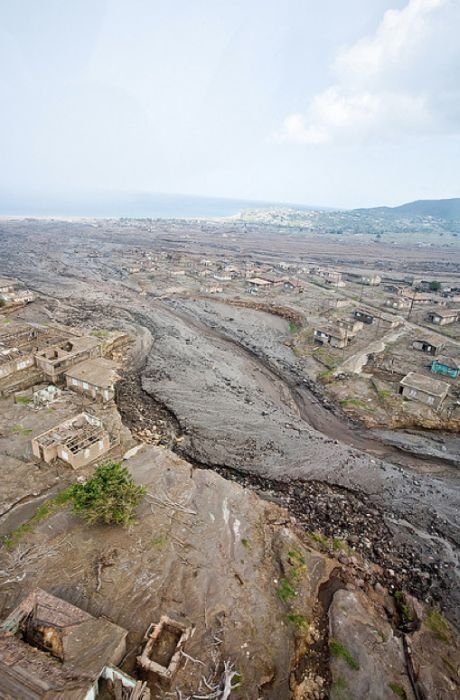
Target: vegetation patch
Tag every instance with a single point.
(20, 430)
(355, 403)
(405, 611)
(340, 651)
(297, 562)
(160, 542)
(285, 591)
(294, 328)
(299, 621)
(110, 496)
(42, 513)
(24, 400)
(246, 544)
(319, 539)
(100, 334)
(398, 690)
(438, 625)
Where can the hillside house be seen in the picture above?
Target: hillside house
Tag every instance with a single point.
(19, 343)
(363, 316)
(386, 321)
(443, 317)
(429, 344)
(331, 335)
(399, 303)
(77, 441)
(95, 378)
(446, 366)
(6, 285)
(54, 361)
(351, 325)
(418, 387)
(259, 282)
(294, 285)
(52, 649)
(371, 279)
(332, 278)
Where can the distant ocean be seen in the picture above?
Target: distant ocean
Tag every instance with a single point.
(154, 206)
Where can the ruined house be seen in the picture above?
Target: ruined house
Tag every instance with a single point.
(397, 302)
(95, 378)
(386, 321)
(50, 649)
(443, 317)
(331, 335)
(19, 344)
(332, 278)
(429, 344)
(162, 652)
(351, 325)
(12, 293)
(77, 441)
(371, 280)
(57, 359)
(419, 387)
(363, 316)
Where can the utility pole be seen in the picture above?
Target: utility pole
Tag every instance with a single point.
(411, 305)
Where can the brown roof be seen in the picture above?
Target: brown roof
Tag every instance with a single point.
(88, 644)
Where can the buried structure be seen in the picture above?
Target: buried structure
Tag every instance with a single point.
(50, 649)
(162, 652)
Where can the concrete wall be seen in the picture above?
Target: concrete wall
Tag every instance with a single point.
(91, 390)
(415, 395)
(84, 457)
(56, 368)
(16, 365)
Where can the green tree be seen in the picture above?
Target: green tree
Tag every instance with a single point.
(435, 286)
(109, 497)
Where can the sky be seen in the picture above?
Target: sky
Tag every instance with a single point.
(327, 103)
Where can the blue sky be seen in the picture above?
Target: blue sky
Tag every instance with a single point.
(326, 103)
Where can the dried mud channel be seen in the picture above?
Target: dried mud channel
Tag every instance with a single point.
(417, 554)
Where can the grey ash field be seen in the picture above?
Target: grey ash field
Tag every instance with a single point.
(301, 511)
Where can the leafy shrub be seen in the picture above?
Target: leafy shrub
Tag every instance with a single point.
(109, 497)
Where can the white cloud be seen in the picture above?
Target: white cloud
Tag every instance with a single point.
(379, 89)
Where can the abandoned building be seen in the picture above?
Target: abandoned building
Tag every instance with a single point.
(372, 280)
(294, 284)
(363, 316)
(52, 649)
(6, 285)
(55, 360)
(443, 317)
(332, 278)
(12, 293)
(94, 378)
(77, 441)
(429, 344)
(446, 366)
(418, 387)
(396, 302)
(333, 335)
(19, 344)
(162, 652)
(386, 321)
(351, 325)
